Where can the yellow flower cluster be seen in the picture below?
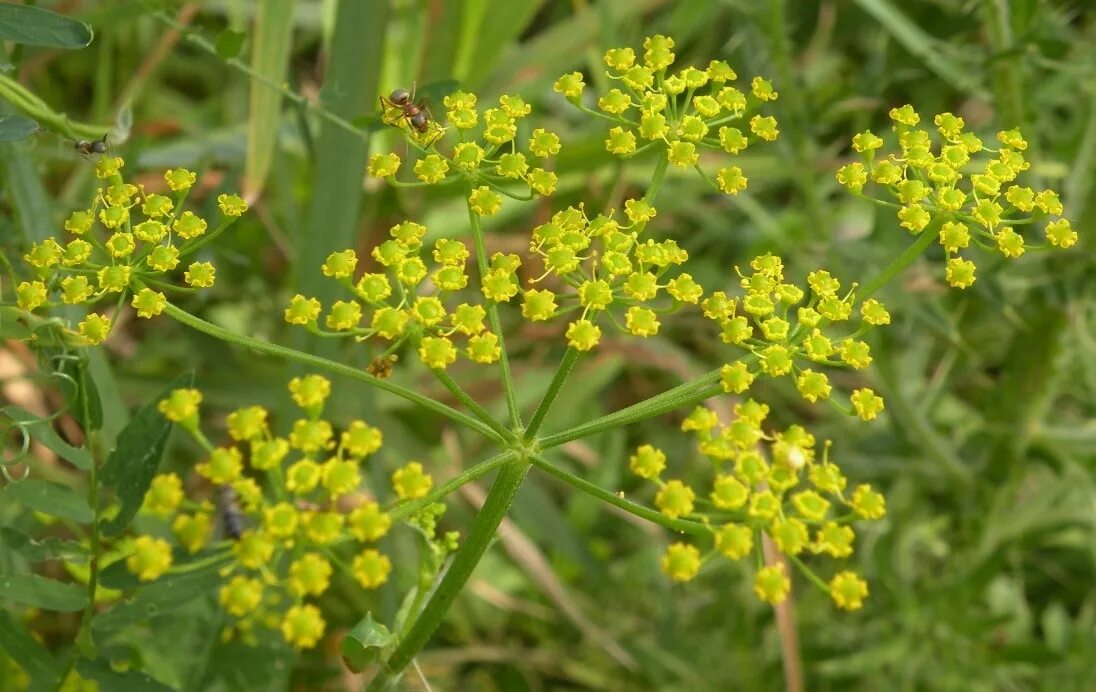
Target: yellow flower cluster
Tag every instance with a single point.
(967, 188)
(489, 162)
(782, 326)
(293, 506)
(681, 112)
(412, 298)
(772, 481)
(128, 240)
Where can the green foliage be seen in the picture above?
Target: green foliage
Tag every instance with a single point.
(979, 575)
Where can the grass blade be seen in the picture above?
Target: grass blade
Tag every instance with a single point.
(269, 58)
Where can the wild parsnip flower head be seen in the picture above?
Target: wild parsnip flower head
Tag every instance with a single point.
(681, 112)
(295, 499)
(126, 239)
(488, 158)
(969, 189)
(780, 482)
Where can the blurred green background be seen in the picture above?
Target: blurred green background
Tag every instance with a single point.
(982, 574)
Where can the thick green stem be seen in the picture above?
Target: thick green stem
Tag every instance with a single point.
(691, 392)
(493, 316)
(682, 525)
(213, 330)
(494, 509)
(466, 399)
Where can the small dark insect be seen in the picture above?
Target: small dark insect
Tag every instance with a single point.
(232, 519)
(418, 115)
(95, 146)
(381, 367)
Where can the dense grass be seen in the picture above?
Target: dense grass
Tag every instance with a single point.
(982, 573)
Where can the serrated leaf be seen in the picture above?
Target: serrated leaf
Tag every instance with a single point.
(41, 432)
(134, 461)
(229, 43)
(37, 550)
(50, 498)
(33, 26)
(365, 643)
(101, 672)
(40, 592)
(16, 127)
(33, 658)
(158, 597)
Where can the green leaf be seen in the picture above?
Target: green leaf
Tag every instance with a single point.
(159, 597)
(78, 387)
(101, 672)
(33, 26)
(229, 43)
(366, 643)
(133, 463)
(37, 550)
(32, 657)
(501, 25)
(270, 50)
(15, 127)
(42, 432)
(40, 592)
(50, 498)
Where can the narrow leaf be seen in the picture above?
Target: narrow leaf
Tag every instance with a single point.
(37, 550)
(42, 432)
(134, 461)
(270, 58)
(101, 672)
(40, 592)
(159, 597)
(33, 26)
(15, 127)
(50, 498)
(31, 656)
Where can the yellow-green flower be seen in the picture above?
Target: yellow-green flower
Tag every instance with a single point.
(647, 462)
(241, 596)
(484, 201)
(200, 275)
(675, 499)
(383, 165)
(437, 352)
(231, 205)
(734, 541)
(411, 482)
(570, 85)
(771, 584)
(302, 626)
(309, 575)
(302, 310)
(179, 179)
(583, 334)
(164, 495)
(867, 403)
(149, 303)
(368, 523)
(371, 568)
(848, 590)
(681, 562)
(151, 557)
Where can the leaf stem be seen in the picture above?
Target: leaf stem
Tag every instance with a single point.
(680, 525)
(213, 330)
(463, 478)
(493, 314)
(899, 263)
(466, 399)
(560, 377)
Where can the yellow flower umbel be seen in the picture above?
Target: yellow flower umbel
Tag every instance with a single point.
(126, 238)
(968, 190)
(678, 112)
(288, 508)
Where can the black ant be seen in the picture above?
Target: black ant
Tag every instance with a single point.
(418, 115)
(95, 146)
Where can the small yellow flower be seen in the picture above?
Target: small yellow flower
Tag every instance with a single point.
(302, 626)
(309, 575)
(254, 549)
(179, 179)
(181, 406)
(193, 531)
(164, 495)
(241, 596)
(200, 275)
(231, 205)
(149, 303)
(371, 568)
(647, 462)
(848, 590)
(771, 584)
(484, 201)
(681, 562)
(410, 481)
(735, 541)
(570, 85)
(384, 165)
(369, 523)
(151, 557)
(583, 334)
(675, 499)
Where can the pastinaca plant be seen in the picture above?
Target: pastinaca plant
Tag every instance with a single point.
(293, 499)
